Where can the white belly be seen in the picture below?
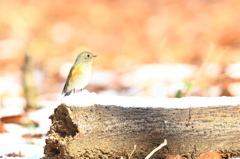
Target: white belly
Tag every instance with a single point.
(81, 80)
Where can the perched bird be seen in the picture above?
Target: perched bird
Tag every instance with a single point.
(80, 73)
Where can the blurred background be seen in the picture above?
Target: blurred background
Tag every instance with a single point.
(157, 48)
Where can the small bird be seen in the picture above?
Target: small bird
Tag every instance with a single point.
(80, 73)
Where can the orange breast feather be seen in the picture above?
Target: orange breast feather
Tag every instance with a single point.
(76, 71)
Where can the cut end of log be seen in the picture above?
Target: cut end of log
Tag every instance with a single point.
(62, 136)
(62, 129)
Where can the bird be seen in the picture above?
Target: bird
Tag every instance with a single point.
(80, 74)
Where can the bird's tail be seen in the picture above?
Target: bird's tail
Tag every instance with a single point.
(68, 93)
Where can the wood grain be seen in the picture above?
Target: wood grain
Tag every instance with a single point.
(111, 131)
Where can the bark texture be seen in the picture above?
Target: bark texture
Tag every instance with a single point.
(111, 131)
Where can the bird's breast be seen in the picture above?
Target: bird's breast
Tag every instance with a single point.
(80, 77)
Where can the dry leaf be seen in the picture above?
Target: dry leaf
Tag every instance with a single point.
(2, 130)
(210, 155)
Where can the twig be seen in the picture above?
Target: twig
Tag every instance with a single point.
(200, 71)
(132, 151)
(156, 149)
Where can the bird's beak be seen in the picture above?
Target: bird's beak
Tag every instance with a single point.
(94, 56)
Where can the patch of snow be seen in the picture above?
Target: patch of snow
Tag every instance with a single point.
(42, 117)
(10, 85)
(85, 98)
(233, 70)
(108, 92)
(157, 74)
(10, 139)
(234, 89)
(28, 150)
(12, 106)
(15, 129)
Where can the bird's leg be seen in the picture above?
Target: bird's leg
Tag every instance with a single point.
(74, 91)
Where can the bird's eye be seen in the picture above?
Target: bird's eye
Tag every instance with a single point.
(88, 55)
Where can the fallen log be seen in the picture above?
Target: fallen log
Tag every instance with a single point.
(109, 131)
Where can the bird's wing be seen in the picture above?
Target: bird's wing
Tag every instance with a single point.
(65, 88)
(75, 70)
